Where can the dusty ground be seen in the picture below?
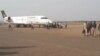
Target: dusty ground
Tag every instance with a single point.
(43, 42)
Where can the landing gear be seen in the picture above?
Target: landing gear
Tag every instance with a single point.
(17, 25)
(22, 25)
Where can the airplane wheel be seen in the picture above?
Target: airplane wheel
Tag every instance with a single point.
(24, 25)
(29, 25)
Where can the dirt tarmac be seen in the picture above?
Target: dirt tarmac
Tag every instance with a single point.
(43, 42)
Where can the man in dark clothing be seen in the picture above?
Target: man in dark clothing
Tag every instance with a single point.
(89, 27)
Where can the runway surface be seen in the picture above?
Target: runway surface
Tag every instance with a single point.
(43, 42)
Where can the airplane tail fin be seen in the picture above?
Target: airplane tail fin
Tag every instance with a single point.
(3, 13)
(6, 19)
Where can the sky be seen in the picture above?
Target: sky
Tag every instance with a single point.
(57, 10)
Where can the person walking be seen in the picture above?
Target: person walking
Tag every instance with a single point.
(94, 28)
(48, 25)
(99, 29)
(10, 23)
(89, 27)
(84, 29)
(65, 25)
(32, 26)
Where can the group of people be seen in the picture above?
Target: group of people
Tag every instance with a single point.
(58, 25)
(89, 28)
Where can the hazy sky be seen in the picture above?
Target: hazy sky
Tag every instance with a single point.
(54, 9)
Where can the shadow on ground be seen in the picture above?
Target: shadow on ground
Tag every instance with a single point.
(8, 49)
(17, 47)
(8, 53)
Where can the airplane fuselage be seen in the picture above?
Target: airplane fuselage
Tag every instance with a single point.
(26, 20)
(29, 20)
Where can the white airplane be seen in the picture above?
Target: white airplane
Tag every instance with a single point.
(26, 20)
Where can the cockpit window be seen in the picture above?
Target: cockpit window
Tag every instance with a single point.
(44, 18)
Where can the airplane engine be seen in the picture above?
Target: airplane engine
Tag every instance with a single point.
(7, 19)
